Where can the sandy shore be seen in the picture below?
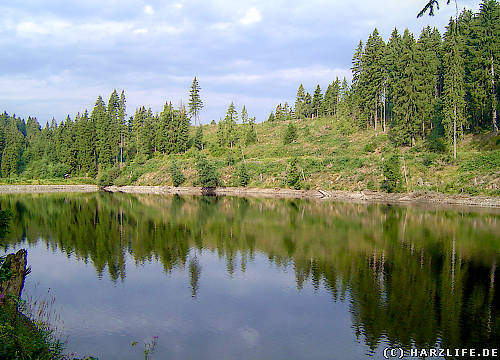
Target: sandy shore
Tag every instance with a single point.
(12, 189)
(362, 196)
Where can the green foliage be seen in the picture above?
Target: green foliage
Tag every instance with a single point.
(392, 173)
(176, 174)
(370, 147)
(250, 134)
(195, 104)
(293, 175)
(21, 339)
(198, 139)
(290, 134)
(108, 176)
(243, 175)
(207, 174)
(487, 161)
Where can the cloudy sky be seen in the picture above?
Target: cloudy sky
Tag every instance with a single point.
(58, 56)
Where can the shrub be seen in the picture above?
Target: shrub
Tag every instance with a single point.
(244, 177)
(392, 172)
(290, 134)
(198, 139)
(108, 176)
(176, 174)
(207, 174)
(293, 175)
(370, 147)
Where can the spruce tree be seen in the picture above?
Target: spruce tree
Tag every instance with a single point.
(100, 119)
(405, 123)
(290, 134)
(300, 103)
(198, 139)
(250, 135)
(244, 115)
(123, 129)
(308, 106)
(453, 87)
(176, 174)
(271, 117)
(195, 104)
(317, 101)
(243, 176)
(230, 125)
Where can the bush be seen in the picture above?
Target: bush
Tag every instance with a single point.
(244, 177)
(108, 176)
(293, 175)
(290, 134)
(392, 171)
(370, 147)
(207, 174)
(176, 174)
(198, 139)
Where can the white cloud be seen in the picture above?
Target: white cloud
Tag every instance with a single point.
(141, 31)
(148, 9)
(252, 16)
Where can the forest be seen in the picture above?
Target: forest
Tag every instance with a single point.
(426, 93)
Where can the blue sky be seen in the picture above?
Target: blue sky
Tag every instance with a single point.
(58, 56)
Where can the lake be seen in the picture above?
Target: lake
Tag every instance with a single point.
(234, 278)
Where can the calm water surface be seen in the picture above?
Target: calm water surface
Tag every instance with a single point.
(233, 278)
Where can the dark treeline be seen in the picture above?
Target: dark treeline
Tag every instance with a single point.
(433, 87)
(412, 277)
(436, 88)
(91, 143)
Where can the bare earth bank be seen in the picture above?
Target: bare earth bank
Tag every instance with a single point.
(362, 196)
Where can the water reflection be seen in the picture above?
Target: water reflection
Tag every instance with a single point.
(412, 277)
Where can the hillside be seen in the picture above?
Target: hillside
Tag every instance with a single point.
(331, 155)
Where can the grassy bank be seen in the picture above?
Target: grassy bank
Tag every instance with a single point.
(329, 155)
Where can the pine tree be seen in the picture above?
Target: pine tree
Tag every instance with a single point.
(300, 103)
(176, 174)
(308, 106)
(372, 76)
(290, 134)
(198, 139)
(122, 114)
(250, 135)
(426, 77)
(243, 176)
(317, 101)
(405, 122)
(293, 175)
(394, 69)
(100, 119)
(244, 115)
(454, 88)
(271, 117)
(488, 48)
(230, 126)
(195, 104)
(113, 122)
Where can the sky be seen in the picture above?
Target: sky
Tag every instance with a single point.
(58, 56)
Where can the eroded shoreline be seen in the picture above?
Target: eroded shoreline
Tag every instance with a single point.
(332, 195)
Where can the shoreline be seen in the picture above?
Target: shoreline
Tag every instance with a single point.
(278, 193)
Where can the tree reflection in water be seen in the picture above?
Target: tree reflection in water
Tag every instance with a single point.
(413, 276)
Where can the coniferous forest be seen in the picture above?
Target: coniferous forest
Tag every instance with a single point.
(420, 97)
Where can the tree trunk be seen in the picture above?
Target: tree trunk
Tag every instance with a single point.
(494, 95)
(375, 113)
(455, 131)
(385, 104)
(16, 263)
